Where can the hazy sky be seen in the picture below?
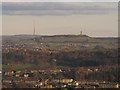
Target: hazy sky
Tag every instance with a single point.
(60, 0)
(94, 19)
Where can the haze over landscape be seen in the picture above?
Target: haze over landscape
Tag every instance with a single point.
(60, 45)
(94, 19)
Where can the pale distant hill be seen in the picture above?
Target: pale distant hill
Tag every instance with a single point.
(60, 41)
(59, 38)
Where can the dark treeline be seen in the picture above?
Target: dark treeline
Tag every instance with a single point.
(63, 58)
(79, 61)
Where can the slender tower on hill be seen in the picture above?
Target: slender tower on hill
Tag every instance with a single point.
(81, 33)
(34, 28)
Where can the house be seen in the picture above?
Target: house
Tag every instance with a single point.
(64, 80)
(28, 74)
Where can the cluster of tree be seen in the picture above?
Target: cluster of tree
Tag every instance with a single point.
(63, 58)
(72, 59)
(104, 73)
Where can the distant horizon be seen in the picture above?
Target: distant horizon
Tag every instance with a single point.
(55, 35)
(59, 18)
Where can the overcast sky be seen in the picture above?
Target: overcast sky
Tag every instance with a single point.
(60, 0)
(94, 19)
